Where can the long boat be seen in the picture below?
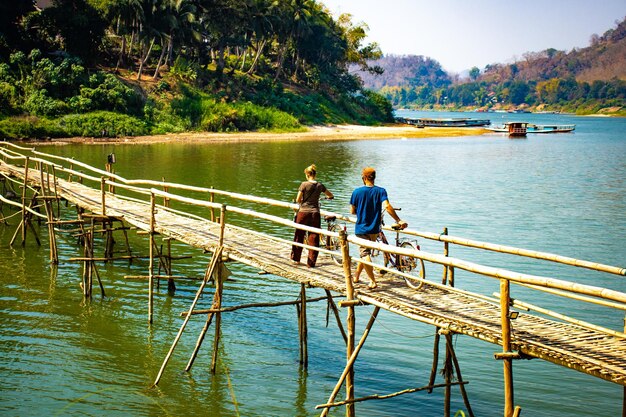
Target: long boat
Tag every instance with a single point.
(532, 128)
(446, 122)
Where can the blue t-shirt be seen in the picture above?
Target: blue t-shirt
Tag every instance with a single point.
(369, 203)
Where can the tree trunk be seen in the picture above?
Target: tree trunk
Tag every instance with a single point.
(281, 61)
(220, 59)
(120, 58)
(259, 51)
(144, 60)
(243, 61)
(158, 66)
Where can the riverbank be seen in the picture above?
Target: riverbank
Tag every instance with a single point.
(324, 133)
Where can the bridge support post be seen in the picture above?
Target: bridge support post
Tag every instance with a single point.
(151, 265)
(348, 373)
(219, 288)
(302, 327)
(351, 320)
(505, 300)
(47, 201)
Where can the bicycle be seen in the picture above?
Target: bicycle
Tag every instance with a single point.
(402, 263)
(332, 243)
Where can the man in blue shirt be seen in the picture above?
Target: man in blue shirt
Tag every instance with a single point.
(368, 202)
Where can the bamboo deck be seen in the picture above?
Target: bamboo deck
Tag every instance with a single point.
(588, 351)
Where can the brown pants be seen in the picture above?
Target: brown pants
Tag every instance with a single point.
(312, 219)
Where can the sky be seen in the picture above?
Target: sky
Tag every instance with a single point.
(461, 34)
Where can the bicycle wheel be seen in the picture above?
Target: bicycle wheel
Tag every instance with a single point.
(413, 265)
(332, 243)
(387, 257)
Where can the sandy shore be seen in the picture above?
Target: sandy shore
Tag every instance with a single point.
(326, 133)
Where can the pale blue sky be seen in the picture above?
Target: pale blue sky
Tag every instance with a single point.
(461, 34)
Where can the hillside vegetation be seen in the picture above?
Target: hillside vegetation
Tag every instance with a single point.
(586, 80)
(134, 67)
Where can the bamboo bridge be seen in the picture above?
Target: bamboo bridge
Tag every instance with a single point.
(39, 180)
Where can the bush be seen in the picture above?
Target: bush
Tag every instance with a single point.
(102, 124)
(40, 104)
(106, 92)
(8, 95)
(30, 127)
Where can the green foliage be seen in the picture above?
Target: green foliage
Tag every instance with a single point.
(236, 54)
(378, 106)
(206, 113)
(102, 124)
(40, 104)
(184, 70)
(30, 127)
(106, 92)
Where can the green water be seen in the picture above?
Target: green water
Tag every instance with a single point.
(62, 355)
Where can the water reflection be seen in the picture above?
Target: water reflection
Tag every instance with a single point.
(564, 194)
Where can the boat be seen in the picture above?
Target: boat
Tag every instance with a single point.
(448, 122)
(533, 128)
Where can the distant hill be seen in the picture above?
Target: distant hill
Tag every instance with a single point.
(603, 60)
(405, 70)
(583, 80)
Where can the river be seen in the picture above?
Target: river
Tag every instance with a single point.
(564, 193)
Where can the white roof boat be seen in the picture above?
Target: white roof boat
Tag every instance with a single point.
(532, 128)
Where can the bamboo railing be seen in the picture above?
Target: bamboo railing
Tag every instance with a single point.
(147, 192)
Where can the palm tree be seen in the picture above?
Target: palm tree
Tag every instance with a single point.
(127, 15)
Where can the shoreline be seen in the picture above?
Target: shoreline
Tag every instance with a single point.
(323, 133)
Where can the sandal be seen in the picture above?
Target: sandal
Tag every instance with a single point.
(372, 285)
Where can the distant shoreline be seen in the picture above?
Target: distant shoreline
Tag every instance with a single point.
(313, 133)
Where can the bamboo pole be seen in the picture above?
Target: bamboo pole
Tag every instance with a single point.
(505, 300)
(219, 287)
(212, 200)
(519, 252)
(103, 195)
(348, 373)
(171, 285)
(166, 200)
(214, 262)
(351, 320)
(447, 373)
(349, 367)
(151, 265)
(304, 354)
(252, 305)
(24, 202)
(446, 251)
(333, 306)
(384, 397)
(201, 336)
(457, 367)
(528, 306)
(50, 219)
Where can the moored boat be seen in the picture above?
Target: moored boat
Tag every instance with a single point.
(445, 122)
(533, 128)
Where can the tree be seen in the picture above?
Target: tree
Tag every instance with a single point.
(11, 16)
(474, 73)
(76, 26)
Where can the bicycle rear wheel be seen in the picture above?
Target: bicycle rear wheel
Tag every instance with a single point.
(332, 244)
(408, 264)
